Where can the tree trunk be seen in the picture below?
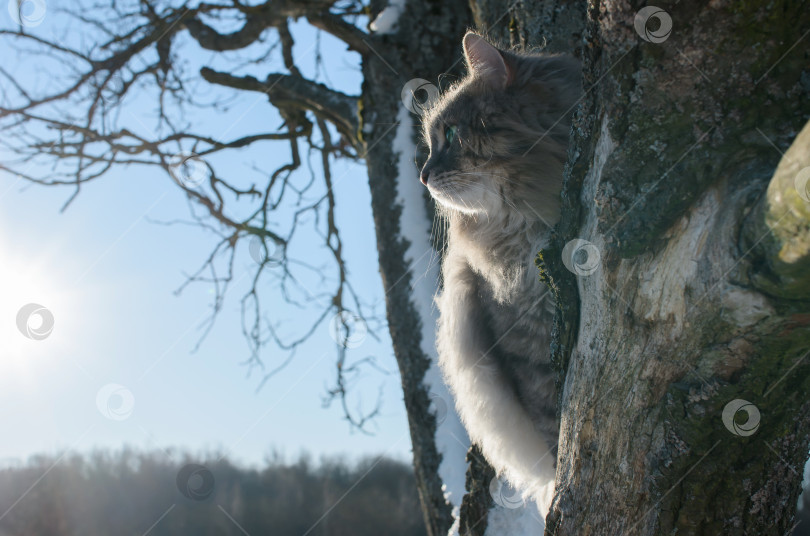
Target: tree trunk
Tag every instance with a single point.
(424, 44)
(683, 354)
(684, 310)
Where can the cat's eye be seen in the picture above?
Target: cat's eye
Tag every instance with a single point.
(450, 133)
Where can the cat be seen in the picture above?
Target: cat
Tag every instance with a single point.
(498, 141)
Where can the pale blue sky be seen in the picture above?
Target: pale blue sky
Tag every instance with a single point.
(108, 275)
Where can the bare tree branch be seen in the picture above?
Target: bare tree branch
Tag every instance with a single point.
(346, 32)
(75, 127)
(298, 93)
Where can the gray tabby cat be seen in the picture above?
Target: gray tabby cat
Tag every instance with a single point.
(498, 142)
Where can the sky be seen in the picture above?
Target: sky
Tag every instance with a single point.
(119, 366)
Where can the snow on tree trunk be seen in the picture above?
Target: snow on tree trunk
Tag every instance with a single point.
(451, 438)
(414, 41)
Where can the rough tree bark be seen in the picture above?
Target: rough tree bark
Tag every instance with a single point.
(701, 296)
(424, 44)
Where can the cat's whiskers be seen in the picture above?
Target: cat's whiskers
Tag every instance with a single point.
(434, 237)
(504, 178)
(499, 176)
(441, 220)
(488, 189)
(459, 197)
(483, 163)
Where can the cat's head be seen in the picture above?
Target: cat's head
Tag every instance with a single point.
(498, 138)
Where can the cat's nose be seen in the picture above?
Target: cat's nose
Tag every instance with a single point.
(424, 176)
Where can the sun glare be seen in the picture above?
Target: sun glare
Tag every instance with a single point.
(33, 298)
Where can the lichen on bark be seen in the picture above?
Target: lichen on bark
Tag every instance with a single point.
(675, 324)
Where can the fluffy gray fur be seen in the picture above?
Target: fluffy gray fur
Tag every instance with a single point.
(498, 141)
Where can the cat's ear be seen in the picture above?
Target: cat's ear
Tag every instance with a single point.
(486, 61)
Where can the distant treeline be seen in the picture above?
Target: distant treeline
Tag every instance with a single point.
(170, 494)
